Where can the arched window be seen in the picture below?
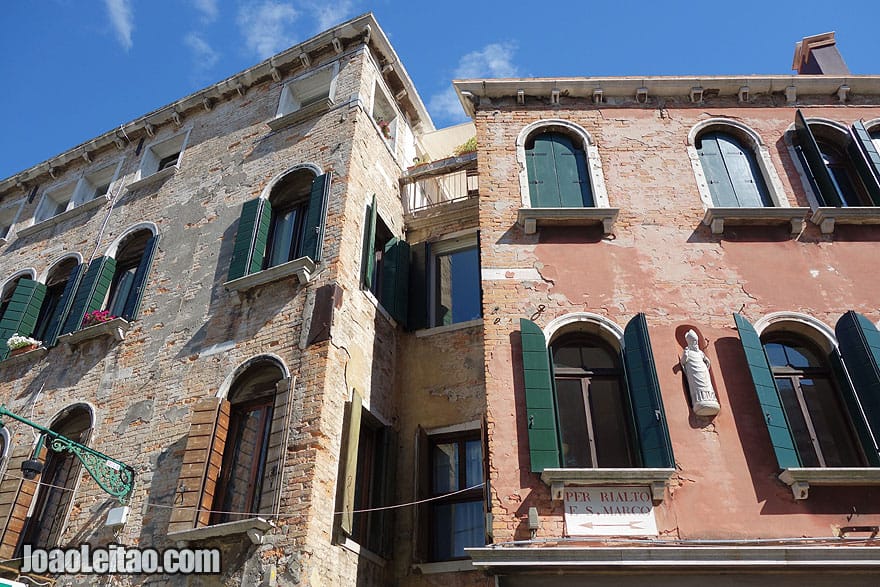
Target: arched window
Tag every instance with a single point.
(60, 285)
(290, 203)
(557, 172)
(48, 512)
(818, 421)
(242, 482)
(20, 301)
(591, 403)
(732, 172)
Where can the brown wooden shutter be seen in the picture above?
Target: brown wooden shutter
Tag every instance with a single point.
(16, 495)
(278, 437)
(355, 407)
(201, 464)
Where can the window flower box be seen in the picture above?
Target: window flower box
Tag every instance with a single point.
(116, 327)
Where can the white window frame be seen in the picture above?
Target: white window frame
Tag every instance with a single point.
(85, 188)
(10, 211)
(148, 170)
(450, 244)
(380, 94)
(57, 194)
(290, 108)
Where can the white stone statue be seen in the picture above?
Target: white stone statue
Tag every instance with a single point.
(695, 364)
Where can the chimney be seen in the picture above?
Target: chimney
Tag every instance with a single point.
(818, 55)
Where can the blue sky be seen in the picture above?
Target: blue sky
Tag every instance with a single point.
(74, 69)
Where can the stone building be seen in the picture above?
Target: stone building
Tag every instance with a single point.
(616, 215)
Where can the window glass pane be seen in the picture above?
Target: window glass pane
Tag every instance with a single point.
(800, 357)
(119, 296)
(457, 526)
(830, 423)
(457, 288)
(796, 422)
(610, 426)
(776, 354)
(445, 460)
(244, 479)
(473, 463)
(573, 433)
(283, 231)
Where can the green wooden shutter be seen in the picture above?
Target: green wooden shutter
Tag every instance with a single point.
(768, 396)
(368, 262)
(349, 479)
(864, 154)
(742, 169)
(133, 303)
(64, 304)
(715, 170)
(540, 404)
(22, 312)
(571, 173)
(419, 271)
(644, 394)
(828, 195)
(395, 279)
(541, 171)
(91, 292)
(388, 480)
(313, 226)
(859, 343)
(251, 238)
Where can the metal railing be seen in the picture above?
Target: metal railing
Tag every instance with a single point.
(440, 182)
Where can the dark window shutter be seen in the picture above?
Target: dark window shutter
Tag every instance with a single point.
(369, 261)
(388, 480)
(349, 478)
(313, 227)
(278, 437)
(200, 470)
(91, 292)
(866, 158)
(854, 408)
(828, 195)
(541, 172)
(571, 173)
(644, 395)
(251, 238)
(420, 255)
(22, 312)
(64, 305)
(745, 175)
(768, 396)
(133, 303)
(395, 279)
(422, 512)
(712, 161)
(540, 405)
(859, 343)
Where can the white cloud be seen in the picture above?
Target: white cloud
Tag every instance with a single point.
(204, 56)
(264, 27)
(330, 14)
(493, 60)
(122, 19)
(207, 8)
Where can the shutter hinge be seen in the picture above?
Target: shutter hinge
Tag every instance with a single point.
(657, 414)
(531, 422)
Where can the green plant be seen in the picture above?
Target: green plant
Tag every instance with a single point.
(469, 146)
(17, 341)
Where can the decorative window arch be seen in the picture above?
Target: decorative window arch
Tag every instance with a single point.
(574, 140)
(233, 458)
(284, 224)
(819, 391)
(60, 281)
(732, 166)
(20, 299)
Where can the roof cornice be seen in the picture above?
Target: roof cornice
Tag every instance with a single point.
(640, 89)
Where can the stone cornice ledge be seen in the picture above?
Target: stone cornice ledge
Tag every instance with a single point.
(255, 528)
(716, 218)
(532, 218)
(152, 178)
(58, 218)
(303, 268)
(827, 216)
(313, 109)
(800, 478)
(695, 558)
(557, 479)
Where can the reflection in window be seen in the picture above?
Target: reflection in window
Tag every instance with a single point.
(290, 200)
(816, 417)
(456, 287)
(457, 521)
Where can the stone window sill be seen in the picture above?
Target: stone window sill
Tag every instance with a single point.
(152, 178)
(303, 268)
(800, 479)
(533, 218)
(352, 546)
(458, 566)
(43, 224)
(255, 528)
(828, 217)
(290, 118)
(448, 328)
(718, 218)
(31, 355)
(656, 479)
(115, 328)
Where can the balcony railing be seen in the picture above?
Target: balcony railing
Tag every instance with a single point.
(440, 182)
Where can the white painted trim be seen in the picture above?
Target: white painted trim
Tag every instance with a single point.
(874, 122)
(799, 323)
(594, 162)
(267, 190)
(139, 177)
(58, 260)
(114, 246)
(448, 328)
(587, 321)
(283, 96)
(66, 410)
(223, 390)
(29, 273)
(500, 274)
(453, 428)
